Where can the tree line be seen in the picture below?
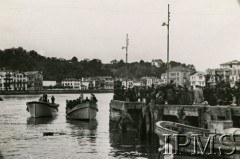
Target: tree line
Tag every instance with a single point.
(19, 59)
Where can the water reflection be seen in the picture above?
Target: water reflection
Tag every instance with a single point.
(1, 156)
(43, 120)
(129, 144)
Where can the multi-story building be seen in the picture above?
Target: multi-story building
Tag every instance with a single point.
(35, 80)
(19, 81)
(149, 81)
(157, 62)
(180, 75)
(108, 82)
(234, 70)
(197, 78)
(72, 83)
(7, 80)
(129, 83)
(228, 72)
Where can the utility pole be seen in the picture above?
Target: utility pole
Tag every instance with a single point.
(126, 47)
(168, 45)
(164, 24)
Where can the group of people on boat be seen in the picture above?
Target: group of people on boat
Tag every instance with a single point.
(44, 98)
(80, 100)
(221, 94)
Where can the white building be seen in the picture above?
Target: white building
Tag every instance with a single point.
(234, 70)
(138, 83)
(108, 82)
(19, 81)
(129, 83)
(10, 80)
(49, 83)
(229, 72)
(72, 83)
(197, 78)
(148, 81)
(85, 85)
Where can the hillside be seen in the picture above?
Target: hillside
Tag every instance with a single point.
(57, 68)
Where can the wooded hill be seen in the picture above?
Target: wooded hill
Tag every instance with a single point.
(18, 59)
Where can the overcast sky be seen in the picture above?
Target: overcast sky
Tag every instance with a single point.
(202, 32)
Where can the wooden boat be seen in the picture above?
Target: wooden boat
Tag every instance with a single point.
(42, 109)
(167, 127)
(86, 110)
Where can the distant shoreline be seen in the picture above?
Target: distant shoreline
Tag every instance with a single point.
(55, 92)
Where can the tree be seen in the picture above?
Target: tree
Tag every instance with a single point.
(74, 59)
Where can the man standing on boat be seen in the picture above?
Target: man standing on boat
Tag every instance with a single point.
(53, 99)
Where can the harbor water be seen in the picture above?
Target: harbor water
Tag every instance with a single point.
(22, 136)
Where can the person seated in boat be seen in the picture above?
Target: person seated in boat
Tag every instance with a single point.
(86, 100)
(53, 99)
(40, 99)
(80, 100)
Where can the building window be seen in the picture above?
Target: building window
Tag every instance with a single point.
(173, 74)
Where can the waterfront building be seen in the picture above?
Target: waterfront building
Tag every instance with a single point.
(19, 81)
(71, 83)
(233, 68)
(129, 83)
(35, 80)
(180, 75)
(157, 62)
(197, 78)
(49, 83)
(228, 72)
(7, 80)
(149, 81)
(138, 83)
(108, 82)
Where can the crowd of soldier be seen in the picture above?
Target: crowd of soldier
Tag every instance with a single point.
(44, 98)
(80, 100)
(221, 94)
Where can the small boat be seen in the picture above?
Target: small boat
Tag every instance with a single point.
(42, 109)
(171, 128)
(86, 110)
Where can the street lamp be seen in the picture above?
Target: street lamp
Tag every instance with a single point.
(167, 24)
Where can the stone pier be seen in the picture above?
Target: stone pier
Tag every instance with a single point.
(136, 116)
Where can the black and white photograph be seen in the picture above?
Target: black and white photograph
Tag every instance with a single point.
(119, 79)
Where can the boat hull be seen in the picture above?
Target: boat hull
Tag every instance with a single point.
(170, 128)
(42, 109)
(83, 111)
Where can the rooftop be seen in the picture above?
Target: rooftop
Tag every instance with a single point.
(231, 62)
